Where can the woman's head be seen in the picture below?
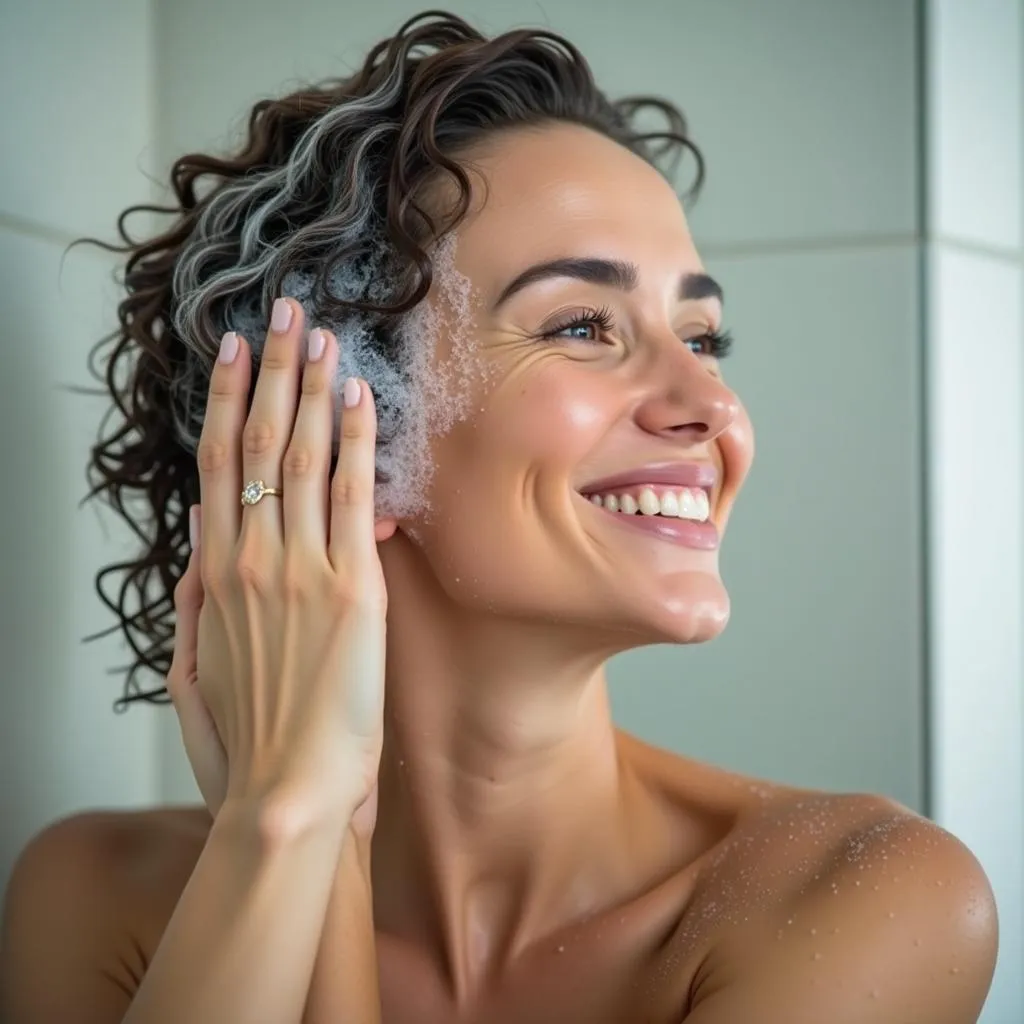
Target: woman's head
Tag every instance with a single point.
(598, 338)
(397, 205)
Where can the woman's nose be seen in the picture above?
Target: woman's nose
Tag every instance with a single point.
(687, 401)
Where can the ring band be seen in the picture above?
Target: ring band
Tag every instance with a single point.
(255, 490)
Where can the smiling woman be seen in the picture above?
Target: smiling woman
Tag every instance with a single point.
(444, 327)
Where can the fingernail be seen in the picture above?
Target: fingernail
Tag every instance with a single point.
(228, 348)
(316, 343)
(280, 315)
(195, 526)
(350, 393)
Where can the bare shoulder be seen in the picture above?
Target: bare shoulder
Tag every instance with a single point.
(85, 906)
(845, 907)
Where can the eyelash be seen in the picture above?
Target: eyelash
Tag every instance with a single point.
(719, 343)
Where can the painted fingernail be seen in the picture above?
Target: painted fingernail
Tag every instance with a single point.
(350, 393)
(280, 315)
(195, 526)
(316, 343)
(228, 347)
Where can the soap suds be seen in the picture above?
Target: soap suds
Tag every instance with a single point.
(418, 397)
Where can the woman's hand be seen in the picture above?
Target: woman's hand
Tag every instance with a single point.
(278, 670)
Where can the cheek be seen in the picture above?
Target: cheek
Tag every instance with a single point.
(555, 418)
(736, 444)
(496, 472)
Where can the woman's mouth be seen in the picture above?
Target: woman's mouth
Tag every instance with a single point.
(669, 501)
(691, 503)
(677, 515)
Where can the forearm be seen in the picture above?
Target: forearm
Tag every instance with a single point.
(241, 943)
(345, 985)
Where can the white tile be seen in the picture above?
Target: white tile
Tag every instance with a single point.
(818, 679)
(62, 747)
(976, 120)
(76, 119)
(805, 110)
(976, 509)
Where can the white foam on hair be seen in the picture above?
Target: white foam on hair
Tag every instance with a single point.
(421, 391)
(444, 368)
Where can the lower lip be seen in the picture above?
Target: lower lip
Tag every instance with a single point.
(685, 532)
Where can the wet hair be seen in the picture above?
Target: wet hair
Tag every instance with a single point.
(329, 177)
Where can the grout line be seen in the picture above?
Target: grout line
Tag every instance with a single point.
(858, 243)
(927, 577)
(45, 233)
(1005, 253)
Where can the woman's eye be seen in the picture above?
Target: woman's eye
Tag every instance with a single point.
(581, 332)
(714, 343)
(587, 326)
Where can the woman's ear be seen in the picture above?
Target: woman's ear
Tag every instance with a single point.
(384, 529)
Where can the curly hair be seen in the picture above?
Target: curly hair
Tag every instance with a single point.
(322, 170)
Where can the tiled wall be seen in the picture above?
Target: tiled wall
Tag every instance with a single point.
(975, 350)
(76, 126)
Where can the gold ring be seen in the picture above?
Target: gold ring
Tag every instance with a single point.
(255, 490)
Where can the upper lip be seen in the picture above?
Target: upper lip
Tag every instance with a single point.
(672, 474)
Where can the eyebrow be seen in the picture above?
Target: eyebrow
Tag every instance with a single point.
(610, 274)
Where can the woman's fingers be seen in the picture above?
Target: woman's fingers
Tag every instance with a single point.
(218, 457)
(188, 600)
(198, 731)
(268, 428)
(307, 459)
(352, 547)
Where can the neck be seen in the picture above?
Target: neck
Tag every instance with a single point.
(505, 809)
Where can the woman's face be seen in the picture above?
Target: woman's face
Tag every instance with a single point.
(630, 391)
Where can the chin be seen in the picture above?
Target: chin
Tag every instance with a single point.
(696, 611)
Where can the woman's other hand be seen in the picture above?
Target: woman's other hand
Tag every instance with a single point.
(278, 667)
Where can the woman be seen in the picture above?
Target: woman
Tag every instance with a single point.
(527, 353)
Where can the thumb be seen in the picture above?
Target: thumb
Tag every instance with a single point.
(198, 731)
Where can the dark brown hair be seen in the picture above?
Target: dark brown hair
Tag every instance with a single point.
(323, 170)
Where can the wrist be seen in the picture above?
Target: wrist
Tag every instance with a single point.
(278, 818)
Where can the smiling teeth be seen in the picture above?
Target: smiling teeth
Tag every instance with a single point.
(685, 503)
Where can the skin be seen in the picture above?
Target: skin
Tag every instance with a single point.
(530, 861)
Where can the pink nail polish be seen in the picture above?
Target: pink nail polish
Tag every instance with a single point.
(228, 348)
(350, 393)
(280, 316)
(315, 344)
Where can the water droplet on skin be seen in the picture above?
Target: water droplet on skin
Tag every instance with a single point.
(561, 949)
(954, 970)
(814, 931)
(891, 914)
(874, 993)
(917, 942)
(817, 956)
